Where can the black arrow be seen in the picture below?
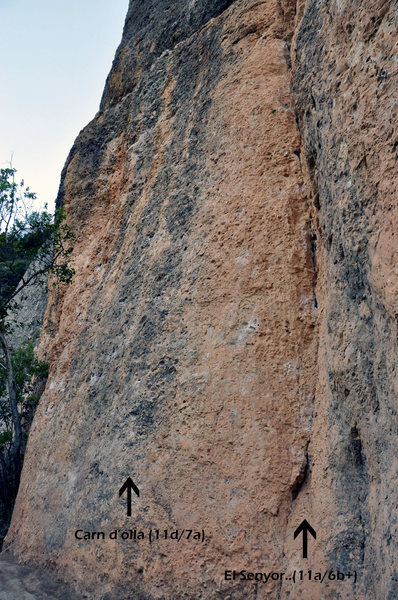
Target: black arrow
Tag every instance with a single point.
(129, 485)
(305, 527)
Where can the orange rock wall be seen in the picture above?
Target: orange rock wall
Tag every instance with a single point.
(228, 339)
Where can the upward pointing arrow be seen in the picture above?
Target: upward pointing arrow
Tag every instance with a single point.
(129, 485)
(306, 528)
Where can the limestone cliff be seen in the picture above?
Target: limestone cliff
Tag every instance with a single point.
(229, 338)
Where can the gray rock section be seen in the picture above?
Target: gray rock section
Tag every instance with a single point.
(361, 346)
(18, 582)
(151, 29)
(28, 319)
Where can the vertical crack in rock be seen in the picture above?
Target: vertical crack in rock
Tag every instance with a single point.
(302, 475)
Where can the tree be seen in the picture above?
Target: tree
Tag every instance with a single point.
(33, 244)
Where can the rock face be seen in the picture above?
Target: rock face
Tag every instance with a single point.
(229, 338)
(345, 89)
(30, 314)
(23, 583)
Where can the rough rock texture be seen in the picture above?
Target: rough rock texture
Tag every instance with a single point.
(345, 89)
(26, 323)
(23, 583)
(229, 337)
(27, 320)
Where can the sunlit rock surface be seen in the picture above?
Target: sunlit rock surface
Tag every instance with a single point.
(229, 338)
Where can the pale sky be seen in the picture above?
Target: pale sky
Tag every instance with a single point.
(54, 59)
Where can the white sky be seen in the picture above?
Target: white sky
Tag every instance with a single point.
(54, 59)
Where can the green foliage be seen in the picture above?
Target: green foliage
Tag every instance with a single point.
(29, 373)
(33, 244)
(26, 365)
(5, 438)
(29, 237)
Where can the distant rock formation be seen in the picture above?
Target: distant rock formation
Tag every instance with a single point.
(27, 320)
(229, 339)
